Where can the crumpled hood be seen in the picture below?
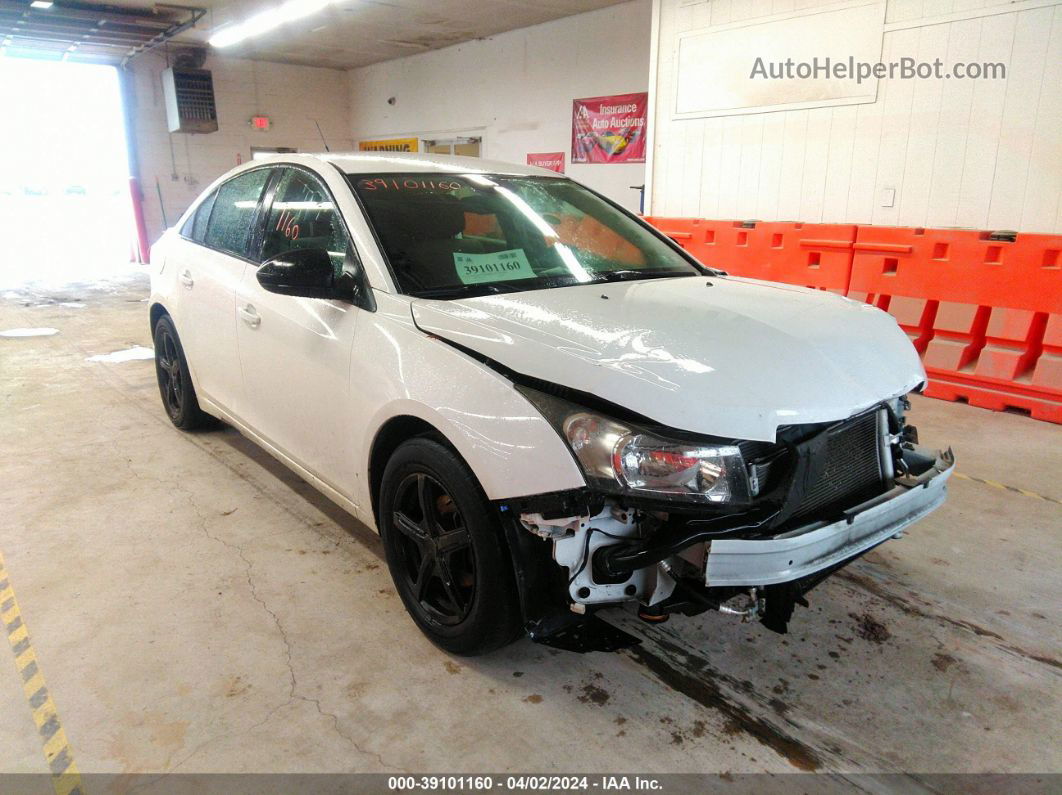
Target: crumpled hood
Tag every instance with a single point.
(736, 359)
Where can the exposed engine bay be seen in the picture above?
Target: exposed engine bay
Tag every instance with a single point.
(819, 497)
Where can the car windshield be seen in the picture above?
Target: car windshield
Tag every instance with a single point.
(449, 236)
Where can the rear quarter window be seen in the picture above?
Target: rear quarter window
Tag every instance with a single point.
(202, 215)
(195, 225)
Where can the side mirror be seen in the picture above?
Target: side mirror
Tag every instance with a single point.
(351, 284)
(303, 272)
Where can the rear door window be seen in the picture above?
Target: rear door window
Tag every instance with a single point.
(234, 211)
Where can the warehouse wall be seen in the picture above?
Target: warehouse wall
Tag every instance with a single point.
(515, 90)
(975, 153)
(292, 96)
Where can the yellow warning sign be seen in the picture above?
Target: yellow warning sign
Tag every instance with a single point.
(389, 145)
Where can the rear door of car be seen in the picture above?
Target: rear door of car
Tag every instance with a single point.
(208, 275)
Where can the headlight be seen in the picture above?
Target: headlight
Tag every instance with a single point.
(617, 456)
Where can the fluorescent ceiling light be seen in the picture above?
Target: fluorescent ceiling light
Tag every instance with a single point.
(42, 4)
(266, 21)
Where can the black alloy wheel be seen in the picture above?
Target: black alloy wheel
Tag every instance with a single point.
(168, 368)
(434, 549)
(175, 382)
(446, 549)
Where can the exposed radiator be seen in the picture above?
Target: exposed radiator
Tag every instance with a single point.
(852, 472)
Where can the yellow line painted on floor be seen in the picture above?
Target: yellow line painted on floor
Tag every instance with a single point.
(1004, 487)
(57, 752)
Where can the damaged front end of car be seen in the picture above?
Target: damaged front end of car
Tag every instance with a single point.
(672, 522)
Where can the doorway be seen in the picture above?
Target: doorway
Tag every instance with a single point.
(469, 147)
(65, 209)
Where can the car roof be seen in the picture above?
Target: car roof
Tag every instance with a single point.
(415, 162)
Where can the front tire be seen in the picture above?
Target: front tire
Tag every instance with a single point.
(175, 381)
(446, 551)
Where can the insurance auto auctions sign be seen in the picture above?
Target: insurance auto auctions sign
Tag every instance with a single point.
(609, 129)
(389, 145)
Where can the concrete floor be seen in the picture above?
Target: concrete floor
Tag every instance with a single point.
(195, 607)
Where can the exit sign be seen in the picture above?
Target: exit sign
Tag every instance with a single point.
(260, 123)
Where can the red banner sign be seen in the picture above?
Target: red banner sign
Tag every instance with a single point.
(609, 129)
(554, 161)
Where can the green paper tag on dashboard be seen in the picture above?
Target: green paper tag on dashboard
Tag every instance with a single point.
(498, 266)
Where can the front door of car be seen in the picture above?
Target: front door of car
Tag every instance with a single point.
(208, 276)
(295, 352)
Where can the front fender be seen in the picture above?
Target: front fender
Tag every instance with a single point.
(510, 447)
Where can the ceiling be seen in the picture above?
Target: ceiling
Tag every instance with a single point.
(344, 35)
(88, 31)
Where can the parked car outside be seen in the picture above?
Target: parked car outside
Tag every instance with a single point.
(544, 405)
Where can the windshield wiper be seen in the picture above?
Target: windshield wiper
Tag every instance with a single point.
(631, 275)
(465, 290)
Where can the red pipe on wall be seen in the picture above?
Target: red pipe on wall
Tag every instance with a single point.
(144, 253)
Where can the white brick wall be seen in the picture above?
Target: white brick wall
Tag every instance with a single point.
(974, 153)
(292, 97)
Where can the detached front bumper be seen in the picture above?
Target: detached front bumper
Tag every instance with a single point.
(808, 550)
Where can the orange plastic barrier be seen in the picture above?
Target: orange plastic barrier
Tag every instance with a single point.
(1047, 372)
(984, 310)
(976, 308)
(811, 255)
(718, 244)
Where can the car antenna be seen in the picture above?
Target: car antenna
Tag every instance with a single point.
(318, 126)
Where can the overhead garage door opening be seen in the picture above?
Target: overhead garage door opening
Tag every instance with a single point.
(64, 196)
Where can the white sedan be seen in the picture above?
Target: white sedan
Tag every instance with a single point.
(544, 405)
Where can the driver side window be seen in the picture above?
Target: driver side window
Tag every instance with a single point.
(303, 216)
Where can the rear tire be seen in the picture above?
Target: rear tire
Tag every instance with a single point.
(446, 551)
(175, 381)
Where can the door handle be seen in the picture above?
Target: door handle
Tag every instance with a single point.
(186, 279)
(249, 316)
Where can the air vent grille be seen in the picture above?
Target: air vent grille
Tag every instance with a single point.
(190, 106)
